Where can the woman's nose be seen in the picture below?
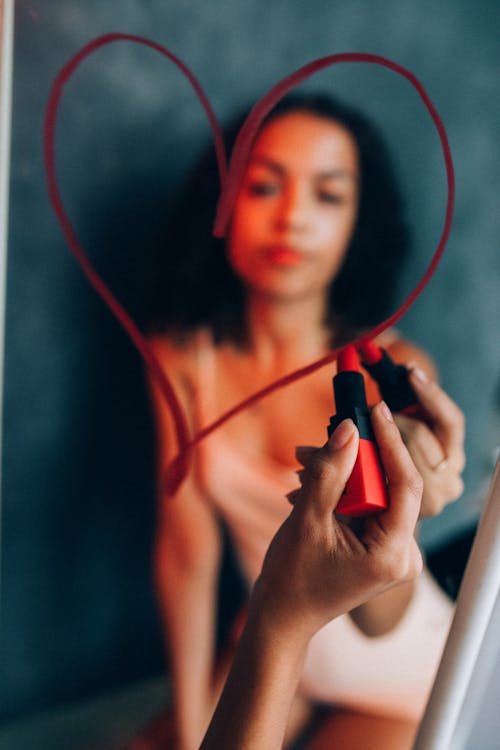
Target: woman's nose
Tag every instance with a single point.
(292, 213)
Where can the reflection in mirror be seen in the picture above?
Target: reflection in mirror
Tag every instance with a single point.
(80, 619)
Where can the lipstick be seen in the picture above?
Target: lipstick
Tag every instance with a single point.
(366, 490)
(283, 256)
(392, 380)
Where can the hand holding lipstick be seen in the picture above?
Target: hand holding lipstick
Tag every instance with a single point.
(316, 568)
(436, 445)
(337, 564)
(431, 425)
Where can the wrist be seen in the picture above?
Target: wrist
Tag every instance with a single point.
(279, 627)
(256, 700)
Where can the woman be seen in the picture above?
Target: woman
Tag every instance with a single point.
(314, 245)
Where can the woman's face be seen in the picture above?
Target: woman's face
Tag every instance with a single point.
(296, 208)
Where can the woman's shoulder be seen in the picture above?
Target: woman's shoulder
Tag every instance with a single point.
(176, 347)
(179, 353)
(403, 351)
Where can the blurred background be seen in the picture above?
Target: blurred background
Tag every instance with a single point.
(79, 619)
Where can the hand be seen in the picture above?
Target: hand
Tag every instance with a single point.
(317, 567)
(437, 447)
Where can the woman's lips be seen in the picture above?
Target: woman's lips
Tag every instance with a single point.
(281, 255)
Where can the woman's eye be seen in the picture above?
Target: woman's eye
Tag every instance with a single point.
(333, 198)
(262, 188)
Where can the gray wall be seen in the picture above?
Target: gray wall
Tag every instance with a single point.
(78, 613)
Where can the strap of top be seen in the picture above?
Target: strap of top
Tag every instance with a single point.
(206, 373)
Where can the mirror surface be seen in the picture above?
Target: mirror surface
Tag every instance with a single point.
(79, 618)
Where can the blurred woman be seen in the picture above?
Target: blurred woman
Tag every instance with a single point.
(312, 255)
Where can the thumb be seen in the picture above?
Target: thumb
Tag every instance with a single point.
(325, 477)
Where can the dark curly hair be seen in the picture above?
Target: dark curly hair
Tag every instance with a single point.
(195, 286)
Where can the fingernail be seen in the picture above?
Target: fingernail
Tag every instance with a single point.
(419, 375)
(386, 411)
(342, 434)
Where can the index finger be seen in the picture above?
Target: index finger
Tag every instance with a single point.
(326, 475)
(404, 482)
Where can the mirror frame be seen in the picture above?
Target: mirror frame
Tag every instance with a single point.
(6, 68)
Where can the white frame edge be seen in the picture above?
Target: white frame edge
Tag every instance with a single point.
(476, 600)
(6, 71)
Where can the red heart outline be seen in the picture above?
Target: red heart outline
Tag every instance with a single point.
(230, 181)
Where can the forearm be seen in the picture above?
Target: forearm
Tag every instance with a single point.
(187, 604)
(382, 613)
(190, 648)
(255, 704)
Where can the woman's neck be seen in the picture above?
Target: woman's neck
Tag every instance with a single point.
(286, 333)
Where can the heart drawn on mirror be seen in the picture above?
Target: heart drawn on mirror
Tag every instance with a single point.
(230, 180)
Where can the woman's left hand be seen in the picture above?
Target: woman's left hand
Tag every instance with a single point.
(436, 447)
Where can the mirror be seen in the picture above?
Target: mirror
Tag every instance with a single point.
(79, 619)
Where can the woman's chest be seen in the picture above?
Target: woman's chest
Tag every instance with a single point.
(297, 414)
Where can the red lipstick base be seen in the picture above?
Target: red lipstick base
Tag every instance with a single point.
(365, 492)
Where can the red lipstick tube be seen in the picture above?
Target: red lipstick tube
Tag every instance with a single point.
(366, 491)
(392, 380)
